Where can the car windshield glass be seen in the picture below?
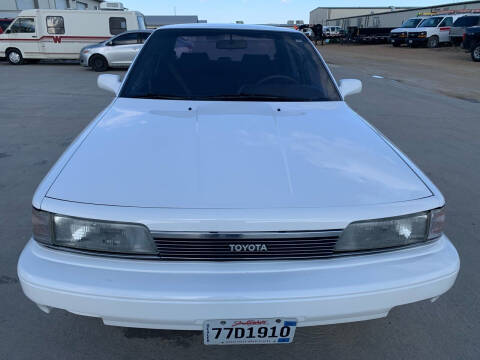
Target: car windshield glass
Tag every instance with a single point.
(411, 23)
(432, 22)
(234, 65)
(467, 21)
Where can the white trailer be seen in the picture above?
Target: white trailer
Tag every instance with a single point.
(61, 34)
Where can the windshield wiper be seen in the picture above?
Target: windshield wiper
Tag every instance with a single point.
(247, 97)
(159, 97)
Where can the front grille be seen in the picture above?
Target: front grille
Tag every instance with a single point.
(413, 34)
(215, 246)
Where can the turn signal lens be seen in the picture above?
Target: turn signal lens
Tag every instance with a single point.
(42, 226)
(437, 222)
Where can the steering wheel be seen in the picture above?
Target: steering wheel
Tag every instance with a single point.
(271, 77)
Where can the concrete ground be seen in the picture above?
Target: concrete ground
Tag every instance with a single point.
(43, 107)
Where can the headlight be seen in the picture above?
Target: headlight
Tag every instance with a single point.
(86, 51)
(93, 235)
(423, 34)
(392, 232)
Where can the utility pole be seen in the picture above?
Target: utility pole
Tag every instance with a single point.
(175, 10)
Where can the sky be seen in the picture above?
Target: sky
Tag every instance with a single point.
(255, 11)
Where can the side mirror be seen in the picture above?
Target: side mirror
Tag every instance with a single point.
(109, 82)
(8, 31)
(110, 43)
(350, 86)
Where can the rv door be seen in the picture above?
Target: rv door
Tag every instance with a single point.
(23, 35)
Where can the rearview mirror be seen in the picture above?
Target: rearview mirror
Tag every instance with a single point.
(350, 86)
(231, 44)
(109, 82)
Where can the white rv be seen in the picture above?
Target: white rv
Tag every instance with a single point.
(61, 34)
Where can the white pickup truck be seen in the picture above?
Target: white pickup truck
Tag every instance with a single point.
(398, 36)
(432, 32)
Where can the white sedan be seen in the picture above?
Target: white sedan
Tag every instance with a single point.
(229, 188)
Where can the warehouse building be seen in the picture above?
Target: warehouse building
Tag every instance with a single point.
(155, 21)
(320, 15)
(11, 8)
(397, 17)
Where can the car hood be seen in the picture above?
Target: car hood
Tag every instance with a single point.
(400, 30)
(100, 44)
(419, 29)
(153, 153)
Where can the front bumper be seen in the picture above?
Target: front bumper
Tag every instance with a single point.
(417, 41)
(397, 40)
(182, 295)
(84, 59)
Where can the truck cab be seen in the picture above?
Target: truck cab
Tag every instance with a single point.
(460, 25)
(432, 32)
(471, 42)
(398, 36)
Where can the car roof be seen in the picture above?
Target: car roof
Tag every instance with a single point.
(136, 31)
(228, 27)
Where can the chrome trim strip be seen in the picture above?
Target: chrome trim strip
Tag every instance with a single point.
(264, 235)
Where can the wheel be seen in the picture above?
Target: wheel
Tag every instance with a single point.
(15, 57)
(99, 63)
(476, 53)
(432, 41)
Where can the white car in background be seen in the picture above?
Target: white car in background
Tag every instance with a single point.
(118, 51)
(432, 32)
(398, 36)
(229, 188)
(331, 31)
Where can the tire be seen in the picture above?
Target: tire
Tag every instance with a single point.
(433, 42)
(15, 57)
(476, 53)
(99, 63)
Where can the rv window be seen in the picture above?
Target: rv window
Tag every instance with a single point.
(23, 25)
(117, 25)
(127, 39)
(55, 25)
(81, 6)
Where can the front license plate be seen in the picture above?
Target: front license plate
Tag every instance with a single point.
(253, 331)
(410, 41)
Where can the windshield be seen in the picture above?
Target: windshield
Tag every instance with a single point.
(411, 23)
(236, 65)
(467, 21)
(432, 22)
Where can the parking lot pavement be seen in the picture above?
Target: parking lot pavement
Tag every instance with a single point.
(43, 107)
(446, 70)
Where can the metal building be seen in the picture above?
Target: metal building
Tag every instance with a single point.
(396, 18)
(154, 21)
(320, 15)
